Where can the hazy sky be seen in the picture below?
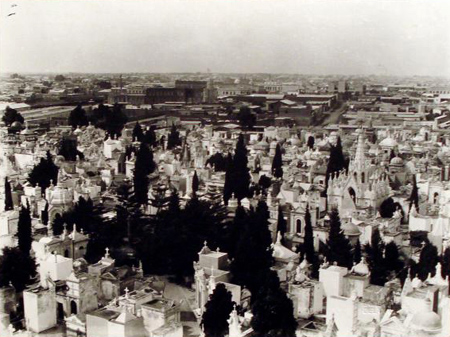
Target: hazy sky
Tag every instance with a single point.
(389, 37)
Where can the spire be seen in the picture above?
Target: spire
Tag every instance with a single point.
(360, 158)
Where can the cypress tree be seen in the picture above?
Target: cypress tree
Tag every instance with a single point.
(253, 257)
(281, 223)
(8, 196)
(44, 214)
(173, 139)
(150, 137)
(228, 186)
(144, 165)
(277, 163)
(445, 262)
(44, 172)
(24, 230)
(414, 198)
(218, 309)
(16, 267)
(138, 134)
(374, 252)
(241, 176)
(273, 311)
(392, 257)
(310, 143)
(336, 162)
(195, 183)
(308, 244)
(427, 261)
(339, 249)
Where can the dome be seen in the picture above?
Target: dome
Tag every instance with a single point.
(262, 145)
(397, 161)
(361, 268)
(388, 142)
(16, 125)
(427, 321)
(350, 229)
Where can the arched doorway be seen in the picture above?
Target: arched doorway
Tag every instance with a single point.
(60, 312)
(66, 253)
(435, 198)
(73, 307)
(352, 193)
(298, 226)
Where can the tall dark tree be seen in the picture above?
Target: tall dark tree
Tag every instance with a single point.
(8, 196)
(246, 118)
(392, 257)
(336, 162)
(229, 176)
(281, 223)
(234, 230)
(173, 140)
(24, 230)
(115, 121)
(217, 311)
(16, 268)
(195, 183)
(218, 161)
(339, 249)
(308, 250)
(44, 215)
(310, 142)
(78, 117)
(138, 134)
(273, 311)
(144, 165)
(414, 197)
(44, 172)
(375, 259)
(387, 208)
(427, 261)
(241, 176)
(150, 137)
(58, 224)
(253, 257)
(11, 116)
(68, 149)
(277, 163)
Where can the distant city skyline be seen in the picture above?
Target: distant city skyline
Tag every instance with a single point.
(352, 37)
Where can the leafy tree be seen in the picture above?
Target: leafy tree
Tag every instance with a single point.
(144, 165)
(8, 196)
(374, 252)
(68, 149)
(78, 117)
(228, 185)
(253, 257)
(24, 230)
(17, 268)
(218, 161)
(44, 172)
(246, 118)
(427, 261)
(11, 116)
(392, 257)
(241, 173)
(138, 134)
(111, 120)
(173, 140)
(414, 198)
(218, 309)
(273, 311)
(277, 163)
(339, 246)
(264, 182)
(195, 183)
(310, 142)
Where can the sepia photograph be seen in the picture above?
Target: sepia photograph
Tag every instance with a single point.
(224, 168)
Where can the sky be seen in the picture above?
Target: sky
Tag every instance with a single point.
(350, 37)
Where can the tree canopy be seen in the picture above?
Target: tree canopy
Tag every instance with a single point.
(11, 116)
(44, 172)
(78, 117)
(246, 118)
(16, 268)
(24, 230)
(8, 196)
(339, 246)
(173, 140)
(217, 311)
(277, 163)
